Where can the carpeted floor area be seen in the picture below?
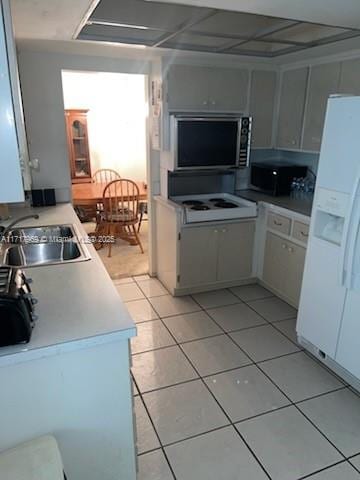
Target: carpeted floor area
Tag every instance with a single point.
(126, 260)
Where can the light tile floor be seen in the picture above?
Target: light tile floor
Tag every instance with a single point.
(222, 391)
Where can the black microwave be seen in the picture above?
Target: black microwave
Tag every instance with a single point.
(275, 178)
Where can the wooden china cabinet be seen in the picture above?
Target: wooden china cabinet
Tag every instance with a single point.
(77, 137)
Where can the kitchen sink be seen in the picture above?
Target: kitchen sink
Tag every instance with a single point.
(51, 233)
(41, 254)
(47, 245)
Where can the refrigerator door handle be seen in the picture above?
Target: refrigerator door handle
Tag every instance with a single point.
(349, 231)
(355, 222)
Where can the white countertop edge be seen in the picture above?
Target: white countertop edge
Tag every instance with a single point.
(79, 323)
(167, 202)
(23, 355)
(286, 211)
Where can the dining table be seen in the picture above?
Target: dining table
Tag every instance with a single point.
(91, 194)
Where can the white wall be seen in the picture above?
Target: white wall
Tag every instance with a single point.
(117, 115)
(40, 75)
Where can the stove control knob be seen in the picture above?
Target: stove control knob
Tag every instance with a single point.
(34, 317)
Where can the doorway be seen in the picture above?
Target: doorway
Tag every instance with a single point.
(110, 110)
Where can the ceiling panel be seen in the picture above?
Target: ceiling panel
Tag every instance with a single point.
(259, 47)
(238, 24)
(174, 26)
(195, 40)
(139, 12)
(306, 32)
(119, 34)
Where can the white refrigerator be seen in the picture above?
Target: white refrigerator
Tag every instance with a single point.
(329, 313)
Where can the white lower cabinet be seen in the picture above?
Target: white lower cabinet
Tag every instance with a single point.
(216, 253)
(274, 262)
(198, 254)
(283, 267)
(235, 253)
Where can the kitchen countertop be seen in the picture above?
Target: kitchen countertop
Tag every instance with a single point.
(79, 305)
(301, 204)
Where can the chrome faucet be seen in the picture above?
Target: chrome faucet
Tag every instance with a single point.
(5, 230)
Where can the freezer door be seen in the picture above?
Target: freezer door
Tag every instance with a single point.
(348, 351)
(340, 148)
(322, 297)
(352, 257)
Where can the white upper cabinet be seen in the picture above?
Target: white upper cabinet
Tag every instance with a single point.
(187, 88)
(350, 77)
(261, 108)
(228, 89)
(191, 88)
(324, 81)
(11, 184)
(292, 103)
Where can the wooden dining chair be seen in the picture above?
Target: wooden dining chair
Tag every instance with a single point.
(121, 211)
(105, 175)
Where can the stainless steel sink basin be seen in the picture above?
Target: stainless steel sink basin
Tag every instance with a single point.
(41, 254)
(51, 233)
(47, 245)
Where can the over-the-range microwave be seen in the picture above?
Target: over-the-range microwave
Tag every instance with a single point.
(210, 142)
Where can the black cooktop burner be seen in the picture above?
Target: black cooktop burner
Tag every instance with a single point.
(224, 204)
(192, 203)
(200, 207)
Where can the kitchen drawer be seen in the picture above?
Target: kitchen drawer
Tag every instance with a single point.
(279, 223)
(301, 231)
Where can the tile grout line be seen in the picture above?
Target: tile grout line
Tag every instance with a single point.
(157, 435)
(156, 349)
(295, 343)
(273, 324)
(297, 408)
(267, 322)
(303, 414)
(357, 469)
(204, 383)
(344, 387)
(150, 418)
(323, 469)
(253, 363)
(222, 409)
(233, 331)
(247, 303)
(243, 351)
(138, 284)
(235, 368)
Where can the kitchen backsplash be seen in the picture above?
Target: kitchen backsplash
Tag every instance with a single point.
(311, 160)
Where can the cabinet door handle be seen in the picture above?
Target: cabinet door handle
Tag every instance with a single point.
(279, 224)
(205, 102)
(215, 231)
(304, 234)
(290, 249)
(284, 246)
(224, 230)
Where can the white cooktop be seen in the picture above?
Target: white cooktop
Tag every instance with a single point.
(214, 206)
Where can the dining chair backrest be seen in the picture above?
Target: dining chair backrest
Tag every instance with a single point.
(105, 175)
(121, 201)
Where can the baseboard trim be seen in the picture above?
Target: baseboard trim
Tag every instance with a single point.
(277, 293)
